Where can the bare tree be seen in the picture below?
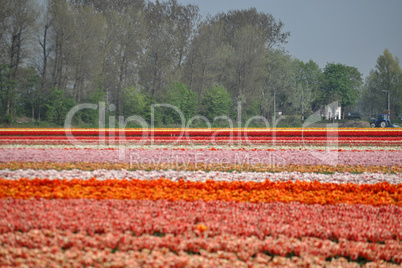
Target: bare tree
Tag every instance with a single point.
(61, 37)
(123, 45)
(85, 62)
(279, 84)
(42, 66)
(18, 18)
(203, 64)
(170, 27)
(230, 49)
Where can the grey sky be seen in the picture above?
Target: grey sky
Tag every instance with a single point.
(351, 32)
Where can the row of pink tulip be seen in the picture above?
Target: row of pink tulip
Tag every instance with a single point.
(205, 156)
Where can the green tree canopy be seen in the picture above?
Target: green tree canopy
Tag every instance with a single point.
(5, 94)
(58, 105)
(135, 102)
(278, 90)
(216, 101)
(309, 77)
(341, 83)
(178, 95)
(387, 76)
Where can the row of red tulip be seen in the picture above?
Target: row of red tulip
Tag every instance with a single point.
(207, 132)
(198, 138)
(22, 245)
(352, 222)
(161, 257)
(184, 228)
(205, 142)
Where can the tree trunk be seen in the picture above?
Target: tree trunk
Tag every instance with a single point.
(14, 64)
(44, 68)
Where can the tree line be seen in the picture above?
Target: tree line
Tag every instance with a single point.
(131, 54)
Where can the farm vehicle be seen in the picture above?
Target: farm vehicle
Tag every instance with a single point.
(383, 120)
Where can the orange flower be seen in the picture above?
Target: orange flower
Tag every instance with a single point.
(268, 191)
(202, 228)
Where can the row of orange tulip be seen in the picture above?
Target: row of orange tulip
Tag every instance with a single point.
(303, 192)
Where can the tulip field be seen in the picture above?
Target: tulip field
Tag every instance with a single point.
(201, 197)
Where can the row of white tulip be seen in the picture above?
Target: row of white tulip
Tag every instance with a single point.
(202, 176)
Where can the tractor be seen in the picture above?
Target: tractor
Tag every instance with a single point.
(383, 120)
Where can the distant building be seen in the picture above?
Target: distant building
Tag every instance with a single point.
(332, 111)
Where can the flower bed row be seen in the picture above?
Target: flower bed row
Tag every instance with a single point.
(207, 132)
(326, 169)
(364, 223)
(239, 249)
(304, 192)
(197, 241)
(206, 156)
(178, 139)
(278, 142)
(201, 176)
(183, 228)
(170, 139)
(160, 256)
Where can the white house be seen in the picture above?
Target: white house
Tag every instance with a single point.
(333, 111)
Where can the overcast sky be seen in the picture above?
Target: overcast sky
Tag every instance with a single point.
(351, 32)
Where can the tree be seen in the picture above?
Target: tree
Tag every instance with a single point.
(270, 29)
(341, 83)
(246, 63)
(83, 53)
(278, 85)
(247, 36)
(308, 80)
(96, 96)
(135, 102)
(6, 12)
(58, 105)
(178, 95)
(215, 102)
(5, 84)
(183, 21)
(206, 58)
(387, 76)
(62, 32)
(103, 5)
(28, 85)
(45, 49)
(123, 44)
(169, 26)
(19, 19)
